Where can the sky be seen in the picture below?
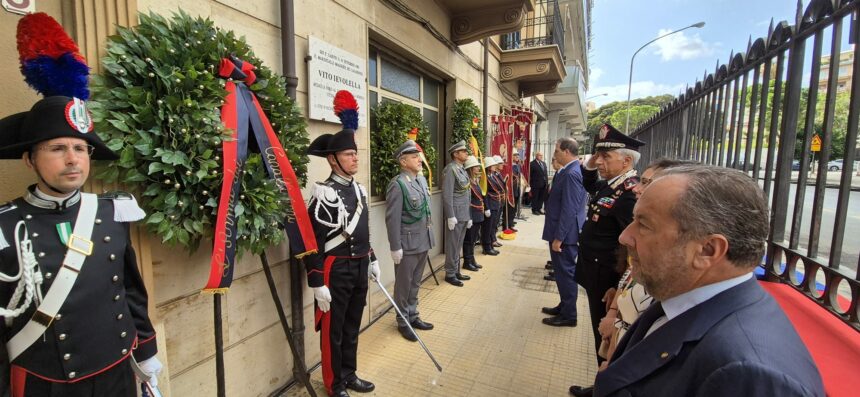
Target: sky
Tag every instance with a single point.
(620, 27)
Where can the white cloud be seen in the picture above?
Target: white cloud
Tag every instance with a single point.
(594, 76)
(681, 46)
(639, 89)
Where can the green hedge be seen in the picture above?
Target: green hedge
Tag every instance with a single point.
(391, 125)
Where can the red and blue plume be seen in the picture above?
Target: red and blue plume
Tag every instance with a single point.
(50, 59)
(346, 108)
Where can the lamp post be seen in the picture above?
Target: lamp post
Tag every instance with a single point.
(595, 96)
(630, 81)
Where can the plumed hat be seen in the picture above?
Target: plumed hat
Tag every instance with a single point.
(52, 65)
(346, 108)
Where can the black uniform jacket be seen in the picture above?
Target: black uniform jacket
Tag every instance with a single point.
(609, 211)
(104, 318)
(323, 210)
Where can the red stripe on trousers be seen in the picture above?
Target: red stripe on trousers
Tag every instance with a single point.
(18, 380)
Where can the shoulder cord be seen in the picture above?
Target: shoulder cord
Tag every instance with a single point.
(323, 203)
(29, 277)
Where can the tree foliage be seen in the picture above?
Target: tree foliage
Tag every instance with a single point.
(158, 106)
(615, 113)
(391, 123)
(463, 113)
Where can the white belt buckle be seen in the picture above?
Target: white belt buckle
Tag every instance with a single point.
(80, 245)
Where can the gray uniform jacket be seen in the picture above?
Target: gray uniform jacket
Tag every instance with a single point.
(455, 192)
(407, 214)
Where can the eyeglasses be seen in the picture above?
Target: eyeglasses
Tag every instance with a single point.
(59, 150)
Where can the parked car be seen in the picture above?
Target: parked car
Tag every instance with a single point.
(836, 165)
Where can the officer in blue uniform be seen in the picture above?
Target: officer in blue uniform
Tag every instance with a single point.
(74, 303)
(493, 203)
(477, 212)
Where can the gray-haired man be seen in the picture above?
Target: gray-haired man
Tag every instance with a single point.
(455, 209)
(410, 234)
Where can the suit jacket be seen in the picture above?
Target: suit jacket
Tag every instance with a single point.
(455, 192)
(738, 343)
(565, 206)
(537, 174)
(407, 214)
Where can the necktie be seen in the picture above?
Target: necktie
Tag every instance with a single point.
(645, 321)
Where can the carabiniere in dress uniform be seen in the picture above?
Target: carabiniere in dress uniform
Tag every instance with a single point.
(74, 304)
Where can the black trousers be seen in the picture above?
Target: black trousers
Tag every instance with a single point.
(489, 227)
(346, 279)
(118, 381)
(538, 198)
(595, 271)
(469, 242)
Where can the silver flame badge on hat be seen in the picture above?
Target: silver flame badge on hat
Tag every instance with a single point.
(78, 116)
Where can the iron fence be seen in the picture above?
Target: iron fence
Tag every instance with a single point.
(759, 113)
(543, 27)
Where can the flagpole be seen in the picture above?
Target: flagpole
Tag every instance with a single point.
(219, 347)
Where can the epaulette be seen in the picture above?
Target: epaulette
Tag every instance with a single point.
(323, 192)
(125, 207)
(631, 182)
(8, 206)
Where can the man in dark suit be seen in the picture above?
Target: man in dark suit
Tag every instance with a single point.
(538, 183)
(698, 233)
(565, 214)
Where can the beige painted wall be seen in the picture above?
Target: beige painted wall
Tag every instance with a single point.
(257, 356)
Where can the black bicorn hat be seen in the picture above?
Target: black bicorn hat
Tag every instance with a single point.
(50, 118)
(346, 108)
(52, 65)
(609, 138)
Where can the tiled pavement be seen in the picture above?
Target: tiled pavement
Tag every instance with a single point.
(488, 335)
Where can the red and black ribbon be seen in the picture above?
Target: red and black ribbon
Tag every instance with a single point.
(243, 115)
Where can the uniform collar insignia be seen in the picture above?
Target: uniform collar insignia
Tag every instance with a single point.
(340, 179)
(614, 182)
(42, 200)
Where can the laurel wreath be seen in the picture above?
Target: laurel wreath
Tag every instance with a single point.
(157, 105)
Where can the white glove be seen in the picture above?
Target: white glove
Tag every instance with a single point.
(487, 213)
(397, 256)
(469, 224)
(323, 297)
(151, 367)
(373, 270)
(452, 221)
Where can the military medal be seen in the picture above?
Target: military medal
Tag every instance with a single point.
(64, 230)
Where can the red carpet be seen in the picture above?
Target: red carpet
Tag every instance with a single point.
(834, 345)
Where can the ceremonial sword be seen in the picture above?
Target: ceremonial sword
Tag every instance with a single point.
(421, 342)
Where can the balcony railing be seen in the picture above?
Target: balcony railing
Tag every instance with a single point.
(544, 27)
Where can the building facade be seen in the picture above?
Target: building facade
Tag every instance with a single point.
(424, 53)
